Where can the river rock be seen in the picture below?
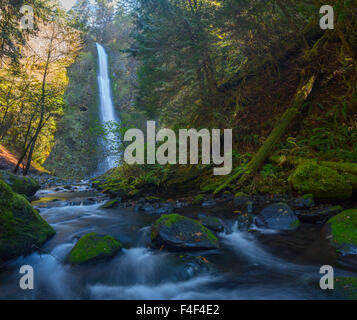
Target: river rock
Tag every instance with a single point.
(278, 216)
(93, 247)
(318, 216)
(111, 204)
(22, 185)
(212, 223)
(341, 230)
(323, 182)
(346, 287)
(178, 233)
(243, 202)
(155, 208)
(22, 229)
(245, 220)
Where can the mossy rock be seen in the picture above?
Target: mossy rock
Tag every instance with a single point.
(342, 231)
(22, 229)
(346, 287)
(22, 185)
(153, 199)
(198, 199)
(308, 200)
(110, 204)
(93, 247)
(352, 179)
(179, 233)
(212, 223)
(323, 182)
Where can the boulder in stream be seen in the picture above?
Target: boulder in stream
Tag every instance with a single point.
(178, 233)
(341, 230)
(278, 216)
(22, 229)
(22, 185)
(93, 247)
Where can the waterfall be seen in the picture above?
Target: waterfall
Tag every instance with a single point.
(107, 113)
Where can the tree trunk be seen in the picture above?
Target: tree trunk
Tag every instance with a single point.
(279, 130)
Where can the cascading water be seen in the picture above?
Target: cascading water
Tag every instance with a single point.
(107, 113)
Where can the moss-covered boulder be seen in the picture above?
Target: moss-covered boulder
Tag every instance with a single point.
(323, 182)
(178, 233)
(21, 185)
(22, 229)
(342, 231)
(212, 223)
(93, 247)
(346, 287)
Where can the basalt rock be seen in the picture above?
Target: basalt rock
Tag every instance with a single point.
(178, 233)
(278, 216)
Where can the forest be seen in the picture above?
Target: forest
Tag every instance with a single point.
(77, 78)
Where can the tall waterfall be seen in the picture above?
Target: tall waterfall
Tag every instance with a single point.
(107, 112)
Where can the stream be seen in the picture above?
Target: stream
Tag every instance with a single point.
(264, 264)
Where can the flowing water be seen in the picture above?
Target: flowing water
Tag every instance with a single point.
(263, 264)
(268, 265)
(108, 117)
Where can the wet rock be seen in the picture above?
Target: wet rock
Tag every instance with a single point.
(178, 233)
(306, 201)
(155, 208)
(22, 229)
(209, 203)
(194, 266)
(243, 202)
(22, 185)
(278, 216)
(245, 221)
(341, 231)
(318, 216)
(93, 247)
(111, 204)
(212, 223)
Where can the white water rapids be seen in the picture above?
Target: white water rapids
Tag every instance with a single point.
(108, 117)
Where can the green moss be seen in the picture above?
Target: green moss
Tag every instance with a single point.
(153, 199)
(22, 185)
(110, 204)
(323, 182)
(21, 227)
(198, 199)
(309, 199)
(347, 286)
(93, 247)
(344, 229)
(295, 224)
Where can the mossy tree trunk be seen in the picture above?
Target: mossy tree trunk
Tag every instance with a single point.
(279, 130)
